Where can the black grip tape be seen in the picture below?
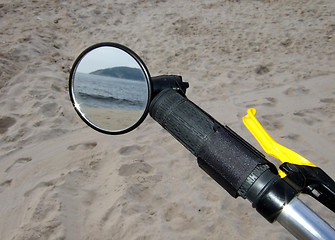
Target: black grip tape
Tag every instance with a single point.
(182, 119)
(223, 154)
(229, 160)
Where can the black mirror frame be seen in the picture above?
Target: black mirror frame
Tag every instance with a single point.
(140, 63)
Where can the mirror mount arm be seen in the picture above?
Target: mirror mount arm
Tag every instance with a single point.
(174, 82)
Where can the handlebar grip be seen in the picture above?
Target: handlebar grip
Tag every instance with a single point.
(220, 152)
(182, 119)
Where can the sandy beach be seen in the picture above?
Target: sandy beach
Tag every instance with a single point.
(111, 119)
(60, 179)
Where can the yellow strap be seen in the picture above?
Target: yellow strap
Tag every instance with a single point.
(269, 145)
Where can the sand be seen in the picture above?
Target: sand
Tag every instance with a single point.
(111, 120)
(60, 179)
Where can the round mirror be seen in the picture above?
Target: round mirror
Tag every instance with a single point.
(110, 88)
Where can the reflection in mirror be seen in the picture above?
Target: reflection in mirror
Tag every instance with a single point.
(110, 89)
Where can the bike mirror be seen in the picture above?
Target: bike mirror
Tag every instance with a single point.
(110, 88)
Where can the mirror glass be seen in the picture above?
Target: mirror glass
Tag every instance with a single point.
(110, 88)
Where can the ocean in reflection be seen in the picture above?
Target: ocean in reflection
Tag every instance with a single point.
(109, 92)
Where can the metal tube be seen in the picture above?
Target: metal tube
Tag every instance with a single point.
(303, 222)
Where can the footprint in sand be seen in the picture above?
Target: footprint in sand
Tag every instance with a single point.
(271, 101)
(83, 146)
(19, 162)
(135, 168)
(5, 123)
(295, 91)
(127, 150)
(49, 109)
(172, 211)
(327, 100)
(267, 101)
(43, 185)
(272, 122)
(5, 185)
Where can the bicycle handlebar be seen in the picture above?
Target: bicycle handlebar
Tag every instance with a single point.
(221, 153)
(235, 164)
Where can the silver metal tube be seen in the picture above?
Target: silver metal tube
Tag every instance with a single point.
(304, 223)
